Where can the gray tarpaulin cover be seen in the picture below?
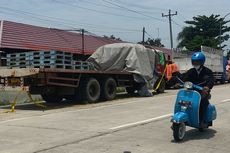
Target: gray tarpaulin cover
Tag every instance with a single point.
(128, 57)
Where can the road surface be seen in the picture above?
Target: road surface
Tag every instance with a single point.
(138, 125)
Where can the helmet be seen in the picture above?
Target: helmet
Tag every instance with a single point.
(198, 56)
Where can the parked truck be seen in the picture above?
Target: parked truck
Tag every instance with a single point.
(57, 76)
(215, 60)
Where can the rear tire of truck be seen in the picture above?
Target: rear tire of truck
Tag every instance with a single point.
(52, 98)
(108, 89)
(91, 90)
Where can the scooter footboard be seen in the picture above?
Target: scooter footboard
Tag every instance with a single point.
(180, 117)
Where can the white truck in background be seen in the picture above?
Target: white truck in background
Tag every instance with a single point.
(214, 61)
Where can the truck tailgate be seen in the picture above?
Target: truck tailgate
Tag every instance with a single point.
(18, 72)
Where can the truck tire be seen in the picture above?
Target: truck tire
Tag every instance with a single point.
(52, 98)
(108, 89)
(91, 90)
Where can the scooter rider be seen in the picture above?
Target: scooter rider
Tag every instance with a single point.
(202, 76)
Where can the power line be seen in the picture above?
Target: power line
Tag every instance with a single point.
(34, 16)
(148, 34)
(124, 30)
(70, 23)
(116, 7)
(58, 20)
(116, 31)
(139, 6)
(182, 17)
(138, 12)
(96, 4)
(134, 11)
(99, 11)
(177, 24)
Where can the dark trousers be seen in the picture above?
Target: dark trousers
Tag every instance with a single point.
(203, 108)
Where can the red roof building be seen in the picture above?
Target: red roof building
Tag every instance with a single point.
(18, 36)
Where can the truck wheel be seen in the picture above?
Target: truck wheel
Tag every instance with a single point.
(161, 89)
(179, 131)
(109, 87)
(52, 98)
(91, 90)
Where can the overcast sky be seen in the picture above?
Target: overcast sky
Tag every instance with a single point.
(122, 18)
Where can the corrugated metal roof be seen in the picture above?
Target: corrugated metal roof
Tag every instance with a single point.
(28, 37)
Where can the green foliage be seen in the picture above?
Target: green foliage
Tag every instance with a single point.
(153, 42)
(112, 37)
(205, 31)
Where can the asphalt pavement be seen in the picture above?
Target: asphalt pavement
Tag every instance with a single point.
(133, 124)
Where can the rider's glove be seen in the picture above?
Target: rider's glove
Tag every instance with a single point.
(177, 85)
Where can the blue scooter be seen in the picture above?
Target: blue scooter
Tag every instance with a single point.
(186, 111)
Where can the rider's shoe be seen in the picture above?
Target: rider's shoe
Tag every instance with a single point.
(203, 125)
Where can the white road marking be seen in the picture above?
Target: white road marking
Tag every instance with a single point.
(141, 122)
(84, 109)
(225, 100)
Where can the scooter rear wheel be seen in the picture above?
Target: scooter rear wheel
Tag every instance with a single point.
(179, 130)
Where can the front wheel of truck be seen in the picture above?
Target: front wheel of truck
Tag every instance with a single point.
(90, 90)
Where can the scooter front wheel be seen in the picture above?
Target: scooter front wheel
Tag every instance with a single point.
(179, 130)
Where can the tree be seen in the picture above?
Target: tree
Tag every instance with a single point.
(112, 37)
(153, 42)
(205, 31)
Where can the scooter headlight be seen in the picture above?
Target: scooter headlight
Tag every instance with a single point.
(184, 107)
(185, 104)
(188, 85)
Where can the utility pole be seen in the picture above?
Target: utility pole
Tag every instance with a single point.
(143, 36)
(170, 25)
(83, 40)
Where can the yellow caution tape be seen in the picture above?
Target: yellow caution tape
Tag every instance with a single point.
(162, 77)
(13, 104)
(36, 102)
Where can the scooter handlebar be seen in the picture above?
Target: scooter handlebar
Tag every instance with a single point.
(197, 87)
